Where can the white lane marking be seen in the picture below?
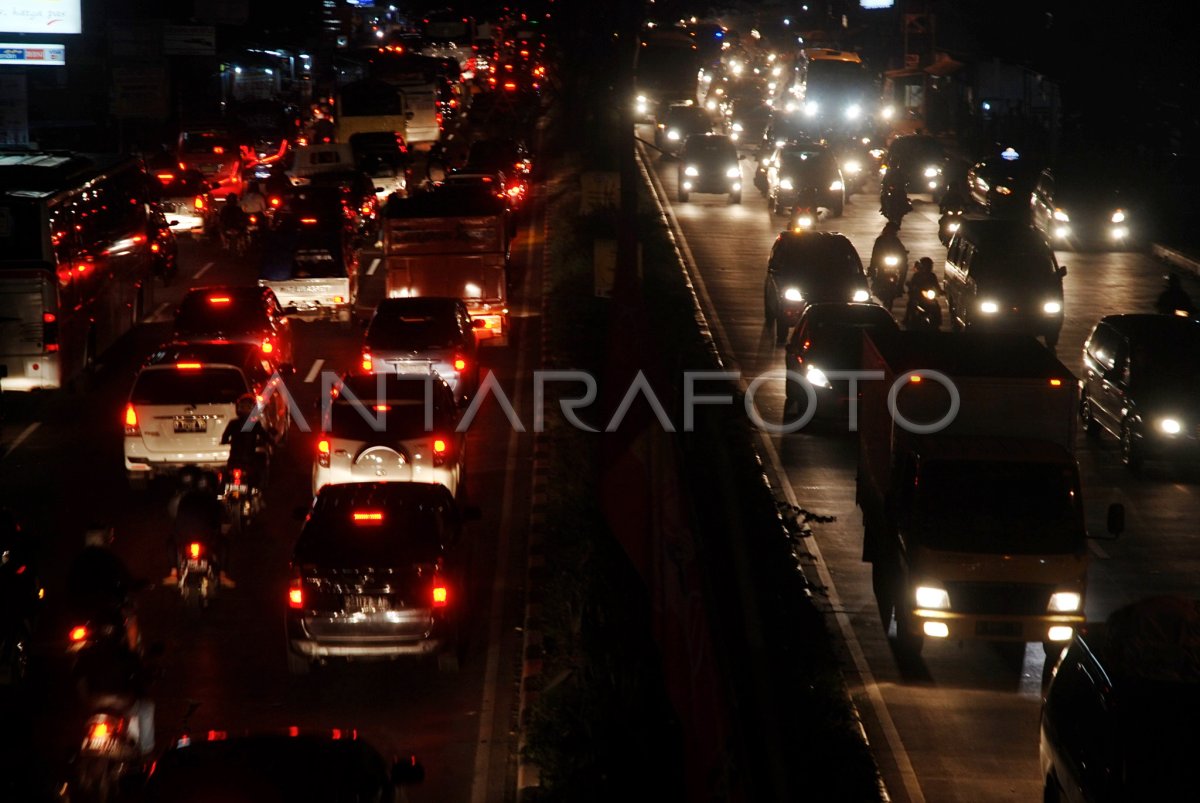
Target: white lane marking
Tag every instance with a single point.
(203, 269)
(25, 433)
(912, 785)
(158, 311)
(373, 266)
(487, 709)
(312, 372)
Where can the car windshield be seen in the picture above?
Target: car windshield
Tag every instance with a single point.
(1014, 266)
(905, 151)
(819, 260)
(999, 507)
(170, 386)
(212, 313)
(412, 331)
(711, 149)
(404, 533)
(833, 77)
(1168, 365)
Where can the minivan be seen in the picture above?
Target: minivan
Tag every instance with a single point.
(1002, 275)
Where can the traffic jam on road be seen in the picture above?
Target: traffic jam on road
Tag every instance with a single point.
(250, 349)
(260, 540)
(999, 474)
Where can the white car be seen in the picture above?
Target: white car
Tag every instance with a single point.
(390, 428)
(182, 400)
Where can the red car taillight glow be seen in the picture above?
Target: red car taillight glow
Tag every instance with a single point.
(323, 453)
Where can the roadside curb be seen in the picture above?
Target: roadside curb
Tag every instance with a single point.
(1175, 257)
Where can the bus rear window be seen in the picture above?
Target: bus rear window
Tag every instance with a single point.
(188, 386)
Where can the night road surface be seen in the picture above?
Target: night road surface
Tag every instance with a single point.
(961, 723)
(62, 469)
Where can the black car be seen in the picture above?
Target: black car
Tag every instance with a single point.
(1141, 383)
(809, 267)
(499, 154)
(295, 766)
(920, 161)
(828, 338)
(1000, 185)
(680, 122)
(1087, 205)
(709, 163)
(358, 193)
(803, 174)
(377, 573)
(425, 334)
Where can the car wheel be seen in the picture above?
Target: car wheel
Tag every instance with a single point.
(1091, 427)
(735, 198)
(1133, 453)
(298, 664)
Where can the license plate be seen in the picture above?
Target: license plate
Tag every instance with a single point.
(412, 367)
(183, 425)
(197, 566)
(364, 604)
(998, 629)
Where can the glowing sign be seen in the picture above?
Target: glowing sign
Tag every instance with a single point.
(40, 16)
(31, 55)
(870, 4)
(1009, 155)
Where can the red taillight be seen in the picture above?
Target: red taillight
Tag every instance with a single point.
(276, 201)
(510, 85)
(308, 221)
(323, 452)
(441, 449)
(188, 366)
(296, 595)
(79, 633)
(49, 317)
(218, 149)
(254, 220)
(199, 202)
(166, 178)
(155, 247)
(194, 550)
(514, 191)
(339, 299)
(441, 595)
(382, 408)
(267, 346)
(459, 364)
(368, 365)
(131, 420)
(237, 476)
(439, 446)
(219, 300)
(50, 331)
(367, 517)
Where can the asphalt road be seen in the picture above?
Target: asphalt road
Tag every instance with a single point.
(61, 467)
(961, 723)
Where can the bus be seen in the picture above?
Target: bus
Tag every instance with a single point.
(75, 261)
(666, 69)
(421, 80)
(370, 106)
(834, 90)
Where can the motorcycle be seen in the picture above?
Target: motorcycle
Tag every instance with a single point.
(924, 311)
(243, 500)
(198, 577)
(894, 203)
(948, 224)
(887, 276)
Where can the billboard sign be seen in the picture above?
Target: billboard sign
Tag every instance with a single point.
(40, 16)
(26, 54)
(869, 4)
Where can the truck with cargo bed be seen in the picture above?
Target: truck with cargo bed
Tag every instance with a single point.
(972, 511)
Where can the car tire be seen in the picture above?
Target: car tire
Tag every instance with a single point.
(1091, 427)
(1133, 453)
(735, 198)
(297, 664)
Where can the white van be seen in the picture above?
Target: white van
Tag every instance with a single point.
(311, 159)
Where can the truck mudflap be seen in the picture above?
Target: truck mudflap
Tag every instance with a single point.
(310, 299)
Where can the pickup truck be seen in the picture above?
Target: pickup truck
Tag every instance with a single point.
(972, 512)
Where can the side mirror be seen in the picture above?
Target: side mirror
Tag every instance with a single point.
(172, 223)
(1062, 271)
(471, 513)
(478, 323)
(407, 772)
(1116, 519)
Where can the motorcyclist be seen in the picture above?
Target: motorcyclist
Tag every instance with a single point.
(199, 516)
(1174, 298)
(893, 199)
(109, 674)
(248, 443)
(885, 279)
(253, 202)
(953, 201)
(233, 220)
(923, 278)
(99, 585)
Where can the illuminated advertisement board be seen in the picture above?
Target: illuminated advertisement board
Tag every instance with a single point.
(26, 54)
(40, 16)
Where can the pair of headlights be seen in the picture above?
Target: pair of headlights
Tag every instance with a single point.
(936, 598)
(989, 307)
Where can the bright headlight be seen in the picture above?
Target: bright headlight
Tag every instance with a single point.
(891, 260)
(816, 377)
(835, 186)
(929, 294)
(792, 294)
(733, 172)
(1120, 232)
(1118, 216)
(1052, 308)
(789, 107)
(853, 111)
(851, 167)
(989, 307)
(1061, 216)
(952, 227)
(802, 222)
(785, 184)
(776, 71)
(1003, 190)
(691, 170)
(1062, 232)
(811, 108)
(711, 105)
(888, 112)
(641, 99)
(738, 127)
(1171, 426)
(932, 597)
(931, 172)
(861, 296)
(1064, 602)
(673, 135)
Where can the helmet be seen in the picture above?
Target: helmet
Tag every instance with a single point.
(232, 197)
(924, 263)
(100, 535)
(246, 404)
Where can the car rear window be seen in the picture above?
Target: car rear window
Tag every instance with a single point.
(412, 331)
(199, 314)
(399, 420)
(184, 386)
(406, 532)
(818, 258)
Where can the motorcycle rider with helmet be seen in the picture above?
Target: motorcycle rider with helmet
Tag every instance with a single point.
(199, 517)
(888, 258)
(1174, 300)
(248, 442)
(99, 586)
(923, 278)
(893, 199)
